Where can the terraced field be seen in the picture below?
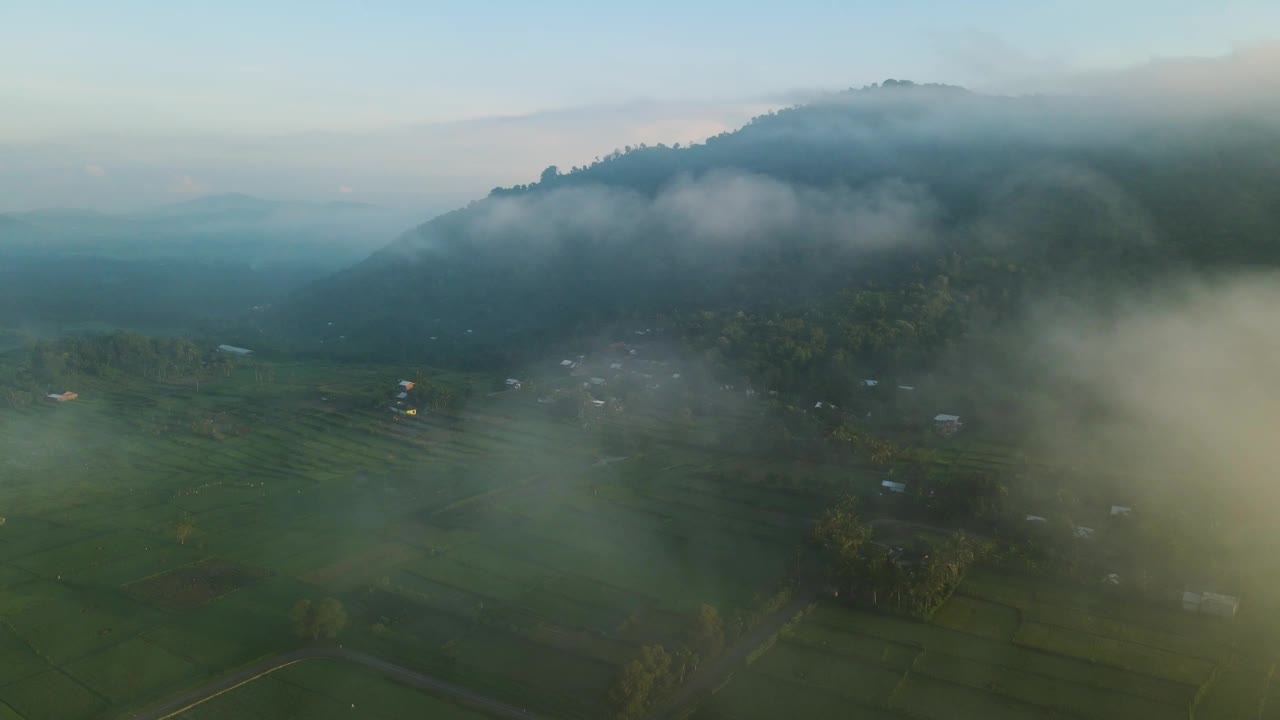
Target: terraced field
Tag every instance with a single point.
(321, 689)
(1007, 648)
(488, 548)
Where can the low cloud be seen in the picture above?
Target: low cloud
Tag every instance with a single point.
(721, 211)
(1168, 399)
(186, 185)
(1244, 80)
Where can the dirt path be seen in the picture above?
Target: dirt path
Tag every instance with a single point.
(190, 699)
(710, 676)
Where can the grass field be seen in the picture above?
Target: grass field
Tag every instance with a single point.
(488, 548)
(320, 689)
(1003, 647)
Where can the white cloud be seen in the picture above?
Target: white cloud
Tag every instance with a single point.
(94, 170)
(186, 185)
(345, 189)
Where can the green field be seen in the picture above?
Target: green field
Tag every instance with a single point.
(1003, 647)
(487, 548)
(326, 689)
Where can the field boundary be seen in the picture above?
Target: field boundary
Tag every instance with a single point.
(399, 673)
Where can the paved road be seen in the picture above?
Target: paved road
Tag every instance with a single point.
(192, 698)
(708, 677)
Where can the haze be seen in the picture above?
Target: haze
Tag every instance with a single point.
(135, 104)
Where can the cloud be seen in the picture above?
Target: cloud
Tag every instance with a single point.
(345, 189)
(186, 185)
(1246, 79)
(95, 170)
(700, 217)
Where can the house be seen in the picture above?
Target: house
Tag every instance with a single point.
(1217, 605)
(615, 366)
(63, 397)
(1082, 533)
(893, 487)
(1111, 579)
(870, 383)
(906, 387)
(946, 425)
(566, 363)
(1037, 518)
(597, 381)
(598, 403)
(1210, 603)
(513, 383)
(233, 350)
(1121, 510)
(407, 385)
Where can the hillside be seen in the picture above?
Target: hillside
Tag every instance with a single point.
(871, 229)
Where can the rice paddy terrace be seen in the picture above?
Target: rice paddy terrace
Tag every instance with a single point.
(493, 548)
(507, 552)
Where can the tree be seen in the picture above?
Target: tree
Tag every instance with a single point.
(182, 531)
(325, 619)
(551, 173)
(300, 617)
(706, 636)
(642, 683)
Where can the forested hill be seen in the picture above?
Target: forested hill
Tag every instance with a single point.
(868, 229)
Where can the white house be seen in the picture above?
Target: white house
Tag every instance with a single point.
(566, 363)
(1223, 606)
(945, 418)
(906, 387)
(615, 366)
(1083, 533)
(1121, 510)
(1211, 603)
(1037, 518)
(870, 383)
(406, 384)
(894, 487)
(233, 350)
(598, 403)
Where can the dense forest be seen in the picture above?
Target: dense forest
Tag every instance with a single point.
(886, 230)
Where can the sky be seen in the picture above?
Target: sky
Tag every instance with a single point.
(127, 104)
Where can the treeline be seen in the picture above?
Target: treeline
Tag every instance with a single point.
(46, 365)
(913, 579)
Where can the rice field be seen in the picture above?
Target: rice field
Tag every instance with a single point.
(489, 548)
(1004, 647)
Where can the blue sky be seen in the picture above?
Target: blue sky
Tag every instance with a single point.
(147, 74)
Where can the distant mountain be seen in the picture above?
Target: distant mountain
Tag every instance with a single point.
(821, 213)
(229, 227)
(202, 260)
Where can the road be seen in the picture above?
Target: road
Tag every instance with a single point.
(190, 699)
(709, 677)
